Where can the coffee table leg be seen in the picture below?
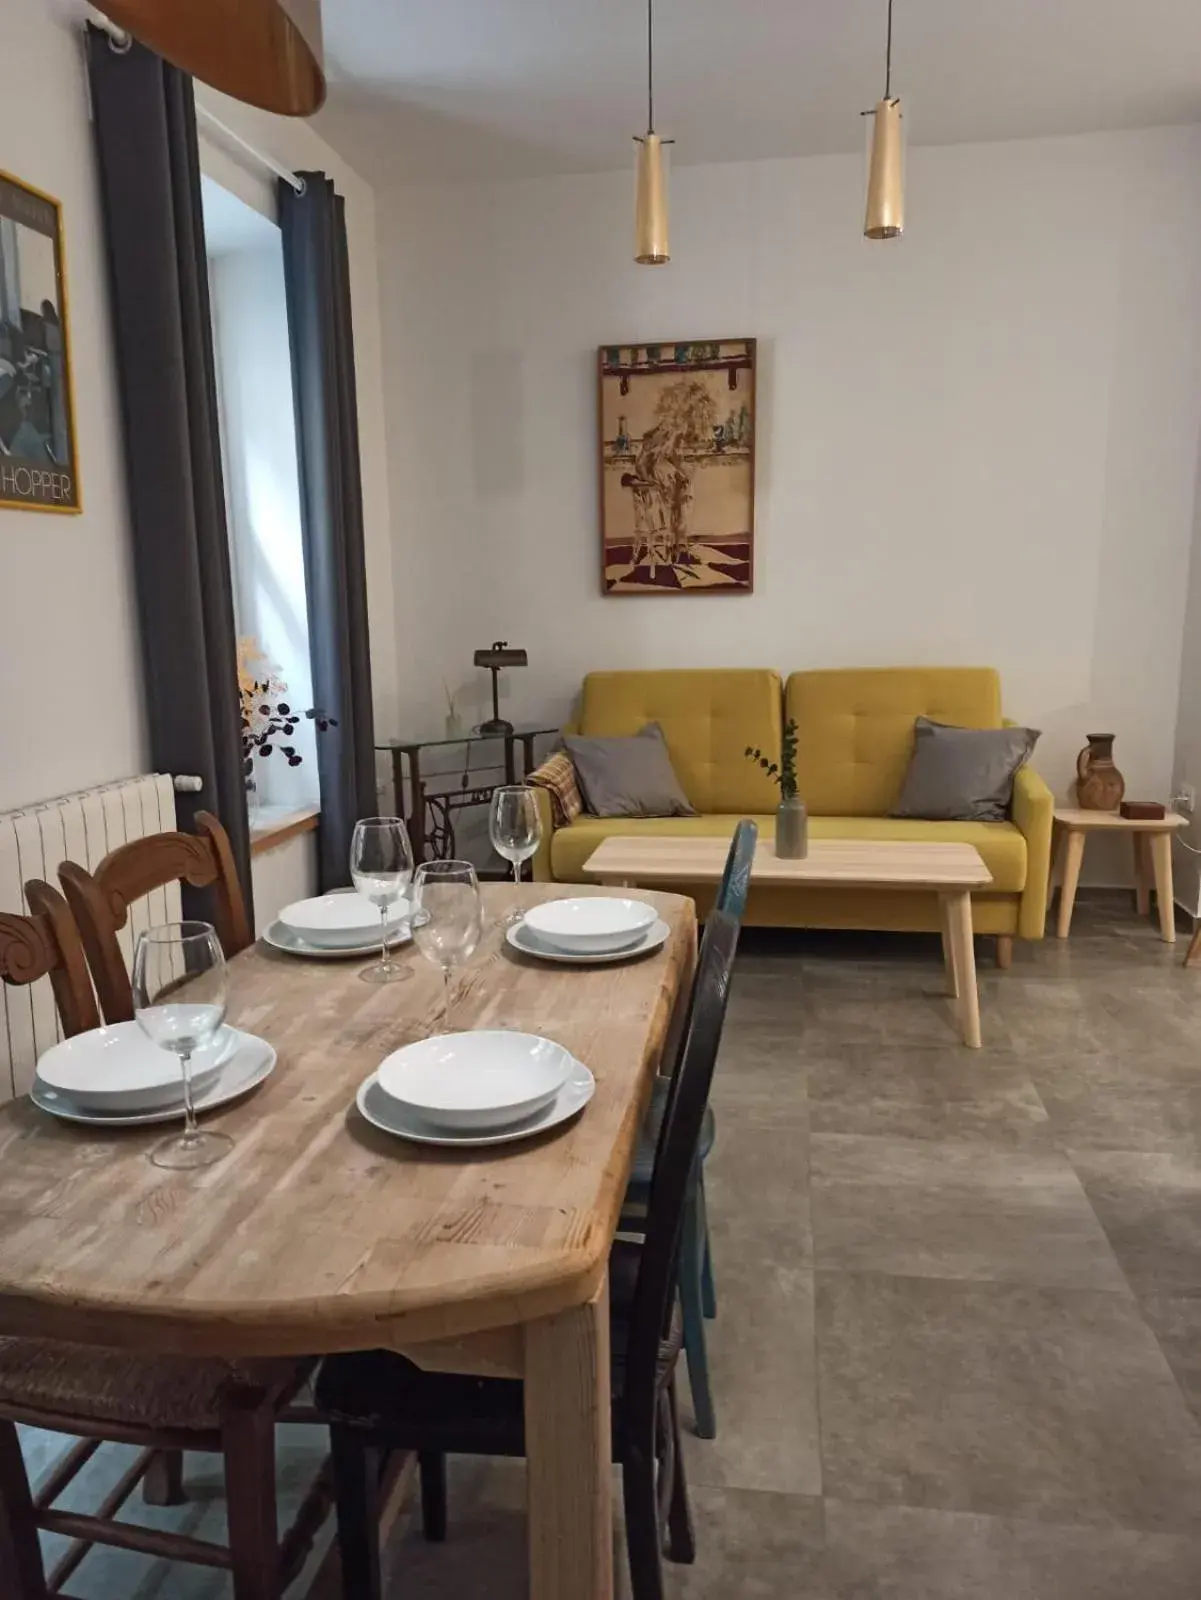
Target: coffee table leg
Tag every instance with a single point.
(948, 949)
(958, 912)
(1161, 855)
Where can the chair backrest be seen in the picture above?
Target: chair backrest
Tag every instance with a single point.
(736, 879)
(100, 900)
(47, 944)
(675, 1154)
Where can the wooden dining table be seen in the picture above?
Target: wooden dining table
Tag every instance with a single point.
(318, 1233)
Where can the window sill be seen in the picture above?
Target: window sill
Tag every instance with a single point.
(275, 825)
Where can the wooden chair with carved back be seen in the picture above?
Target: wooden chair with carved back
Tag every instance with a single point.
(163, 1404)
(100, 900)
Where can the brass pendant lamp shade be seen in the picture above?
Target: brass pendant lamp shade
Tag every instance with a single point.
(885, 218)
(265, 52)
(651, 247)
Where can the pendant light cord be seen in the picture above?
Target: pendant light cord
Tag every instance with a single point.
(650, 65)
(888, 57)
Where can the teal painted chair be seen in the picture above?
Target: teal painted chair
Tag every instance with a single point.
(698, 1293)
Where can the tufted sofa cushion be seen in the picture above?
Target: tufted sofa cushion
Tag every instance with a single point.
(708, 719)
(855, 728)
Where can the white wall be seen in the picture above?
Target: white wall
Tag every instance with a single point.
(281, 875)
(978, 445)
(1187, 769)
(70, 711)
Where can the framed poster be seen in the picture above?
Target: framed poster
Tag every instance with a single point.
(37, 423)
(677, 467)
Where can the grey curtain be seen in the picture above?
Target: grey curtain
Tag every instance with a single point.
(331, 496)
(145, 124)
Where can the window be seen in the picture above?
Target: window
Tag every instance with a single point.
(262, 488)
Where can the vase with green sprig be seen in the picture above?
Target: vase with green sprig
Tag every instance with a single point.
(792, 818)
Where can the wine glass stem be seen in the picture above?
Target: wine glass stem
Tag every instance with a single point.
(383, 935)
(446, 999)
(517, 872)
(189, 1111)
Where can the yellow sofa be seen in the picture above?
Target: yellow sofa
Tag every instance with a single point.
(854, 738)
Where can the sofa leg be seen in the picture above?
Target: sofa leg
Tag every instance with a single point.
(1004, 950)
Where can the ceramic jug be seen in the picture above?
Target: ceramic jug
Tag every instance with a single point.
(1099, 784)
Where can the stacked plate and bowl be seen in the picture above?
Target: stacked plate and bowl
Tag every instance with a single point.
(339, 924)
(116, 1077)
(589, 928)
(487, 1087)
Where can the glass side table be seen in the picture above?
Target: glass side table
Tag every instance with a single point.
(429, 811)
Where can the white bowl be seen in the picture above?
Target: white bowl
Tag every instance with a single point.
(335, 920)
(476, 1080)
(599, 922)
(119, 1069)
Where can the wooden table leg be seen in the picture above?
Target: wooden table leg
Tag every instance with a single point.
(948, 949)
(1052, 864)
(1142, 874)
(959, 924)
(1072, 854)
(568, 1453)
(1192, 956)
(1161, 856)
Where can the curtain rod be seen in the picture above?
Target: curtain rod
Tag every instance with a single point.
(261, 156)
(119, 39)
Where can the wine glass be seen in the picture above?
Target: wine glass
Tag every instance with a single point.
(179, 991)
(381, 866)
(515, 829)
(447, 918)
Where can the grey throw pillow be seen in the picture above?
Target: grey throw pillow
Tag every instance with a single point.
(630, 777)
(962, 774)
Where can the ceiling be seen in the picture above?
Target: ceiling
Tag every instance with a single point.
(425, 89)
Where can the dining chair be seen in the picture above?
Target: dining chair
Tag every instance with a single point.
(100, 900)
(163, 1404)
(378, 1401)
(698, 1293)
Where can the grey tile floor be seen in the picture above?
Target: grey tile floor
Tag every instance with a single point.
(958, 1349)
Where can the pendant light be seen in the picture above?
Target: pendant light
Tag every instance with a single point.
(650, 222)
(266, 52)
(885, 217)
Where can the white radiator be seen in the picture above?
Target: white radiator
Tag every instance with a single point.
(84, 828)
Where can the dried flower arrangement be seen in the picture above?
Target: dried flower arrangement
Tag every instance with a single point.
(267, 718)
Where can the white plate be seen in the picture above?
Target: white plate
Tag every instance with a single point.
(384, 1113)
(590, 922)
(118, 1068)
(337, 921)
(529, 944)
(252, 1061)
(281, 938)
(483, 1079)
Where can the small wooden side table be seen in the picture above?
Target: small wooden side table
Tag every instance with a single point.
(1151, 840)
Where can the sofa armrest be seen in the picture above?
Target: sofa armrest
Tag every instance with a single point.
(541, 857)
(1033, 812)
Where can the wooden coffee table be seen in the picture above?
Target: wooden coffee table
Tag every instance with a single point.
(950, 871)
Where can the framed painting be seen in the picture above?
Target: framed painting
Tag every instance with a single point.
(677, 467)
(37, 423)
